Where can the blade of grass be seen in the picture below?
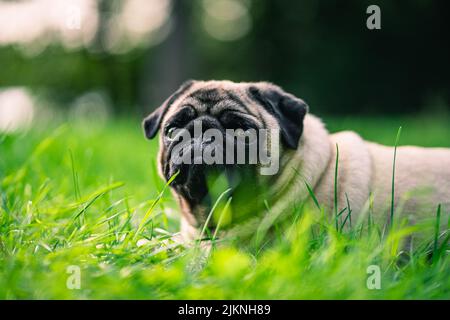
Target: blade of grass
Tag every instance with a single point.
(336, 170)
(150, 210)
(444, 246)
(393, 177)
(227, 205)
(309, 188)
(74, 177)
(97, 196)
(436, 234)
(211, 212)
(87, 206)
(349, 215)
(341, 212)
(313, 196)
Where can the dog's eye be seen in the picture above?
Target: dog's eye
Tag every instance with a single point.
(171, 133)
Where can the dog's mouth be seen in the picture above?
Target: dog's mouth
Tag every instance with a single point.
(194, 176)
(199, 183)
(205, 187)
(191, 182)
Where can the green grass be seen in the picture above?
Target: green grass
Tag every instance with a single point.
(91, 197)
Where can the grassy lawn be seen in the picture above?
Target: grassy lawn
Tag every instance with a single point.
(74, 195)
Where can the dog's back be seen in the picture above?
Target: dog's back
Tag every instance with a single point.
(422, 178)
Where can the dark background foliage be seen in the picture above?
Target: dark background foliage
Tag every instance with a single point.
(319, 50)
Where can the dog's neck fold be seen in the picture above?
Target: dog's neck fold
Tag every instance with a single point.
(308, 161)
(302, 166)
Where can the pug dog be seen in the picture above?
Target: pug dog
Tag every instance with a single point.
(308, 155)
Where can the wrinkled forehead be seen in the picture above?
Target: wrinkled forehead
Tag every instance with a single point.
(212, 98)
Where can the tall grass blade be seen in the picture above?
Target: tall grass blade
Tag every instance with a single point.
(208, 218)
(74, 177)
(98, 195)
(436, 234)
(349, 215)
(309, 188)
(150, 210)
(312, 194)
(393, 177)
(225, 209)
(336, 170)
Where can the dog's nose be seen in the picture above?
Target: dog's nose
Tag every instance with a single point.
(191, 161)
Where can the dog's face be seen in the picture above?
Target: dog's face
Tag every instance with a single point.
(218, 105)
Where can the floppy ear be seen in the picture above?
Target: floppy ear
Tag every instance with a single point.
(152, 122)
(289, 110)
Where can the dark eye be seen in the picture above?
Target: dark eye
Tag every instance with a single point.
(171, 133)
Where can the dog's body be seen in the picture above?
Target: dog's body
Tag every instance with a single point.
(422, 176)
(308, 156)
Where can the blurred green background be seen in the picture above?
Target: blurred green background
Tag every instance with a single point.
(98, 58)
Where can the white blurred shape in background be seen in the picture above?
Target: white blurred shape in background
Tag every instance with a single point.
(16, 109)
(35, 24)
(71, 22)
(138, 22)
(227, 20)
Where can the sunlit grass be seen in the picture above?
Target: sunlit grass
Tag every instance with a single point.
(91, 197)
